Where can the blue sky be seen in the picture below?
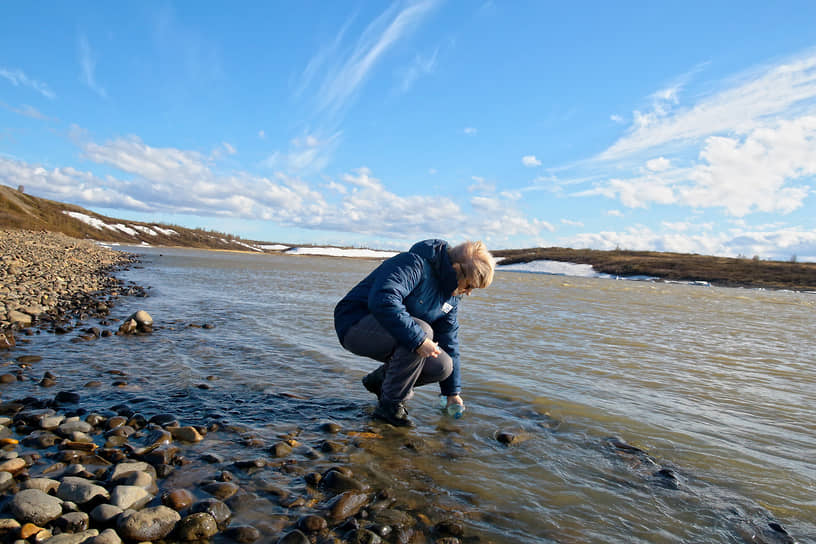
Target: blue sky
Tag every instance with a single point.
(684, 127)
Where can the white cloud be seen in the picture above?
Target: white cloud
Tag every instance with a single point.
(27, 111)
(337, 187)
(432, 171)
(470, 130)
(308, 154)
(779, 244)
(530, 161)
(69, 184)
(614, 213)
(346, 75)
(571, 223)
(261, 134)
(87, 64)
(658, 165)
(770, 169)
(480, 185)
(230, 148)
(420, 67)
(772, 91)
(19, 78)
(755, 173)
(616, 118)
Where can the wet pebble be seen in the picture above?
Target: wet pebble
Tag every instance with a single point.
(294, 537)
(346, 505)
(217, 509)
(220, 490)
(148, 524)
(177, 499)
(243, 533)
(197, 526)
(312, 524)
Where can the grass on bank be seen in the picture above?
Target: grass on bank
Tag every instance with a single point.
(724, 271)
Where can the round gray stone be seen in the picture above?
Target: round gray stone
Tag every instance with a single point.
(35, 506)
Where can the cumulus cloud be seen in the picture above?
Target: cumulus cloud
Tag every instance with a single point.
(69, 184)
(154, 179)
(770, 169)
(658, 165)
(776, 244)
(18, 78)
(530, 161)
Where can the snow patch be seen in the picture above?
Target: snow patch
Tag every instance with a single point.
(88, 220)
(166, 232)
(556, 268)
(124, 228)
(273, 247)
(145, 230)
(338, 252)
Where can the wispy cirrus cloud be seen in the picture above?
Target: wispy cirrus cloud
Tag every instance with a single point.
(746, 102)
(27, 111)
(347, 69)
(87, 65)
(419, 67)
(18, 78)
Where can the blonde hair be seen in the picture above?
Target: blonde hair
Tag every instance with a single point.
(475, 263)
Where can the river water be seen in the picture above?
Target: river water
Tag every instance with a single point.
(642, 411)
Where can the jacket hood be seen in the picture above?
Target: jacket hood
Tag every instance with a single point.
(436, 252)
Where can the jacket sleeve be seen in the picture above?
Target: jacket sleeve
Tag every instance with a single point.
(396, 279)
(446, 334)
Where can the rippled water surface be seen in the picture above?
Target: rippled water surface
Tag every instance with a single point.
(709, 393)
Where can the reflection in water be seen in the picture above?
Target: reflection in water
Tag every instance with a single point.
(638, 412)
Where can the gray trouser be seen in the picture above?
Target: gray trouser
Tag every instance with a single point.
(404, 369)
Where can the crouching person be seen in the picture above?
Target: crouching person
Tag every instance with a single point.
(404, 314)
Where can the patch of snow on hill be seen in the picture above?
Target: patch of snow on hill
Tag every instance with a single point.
(146, 230)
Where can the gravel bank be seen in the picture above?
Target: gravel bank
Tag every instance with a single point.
(51, 277)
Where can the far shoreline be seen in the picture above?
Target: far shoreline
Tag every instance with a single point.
(637, 266)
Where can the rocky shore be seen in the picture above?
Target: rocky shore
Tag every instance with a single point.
(53, 278)
(70, 474)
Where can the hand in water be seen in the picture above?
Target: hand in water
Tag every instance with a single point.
(453, 405)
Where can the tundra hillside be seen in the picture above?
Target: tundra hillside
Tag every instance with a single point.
(722, 271)
(22, 211)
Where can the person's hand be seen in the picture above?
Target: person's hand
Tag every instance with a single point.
(428, 348)
(455, 399)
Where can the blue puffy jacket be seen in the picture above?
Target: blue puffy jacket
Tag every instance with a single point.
(419, 284)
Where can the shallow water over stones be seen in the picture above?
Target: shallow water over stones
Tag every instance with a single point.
(597, 410)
